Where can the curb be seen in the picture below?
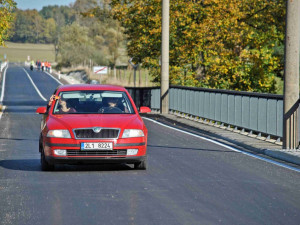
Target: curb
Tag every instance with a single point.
(292, 156)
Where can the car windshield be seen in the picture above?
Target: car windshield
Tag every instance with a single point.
(93, 102)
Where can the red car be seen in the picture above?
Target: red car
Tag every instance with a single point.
(92, 124)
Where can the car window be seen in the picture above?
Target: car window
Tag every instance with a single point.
(93, 102)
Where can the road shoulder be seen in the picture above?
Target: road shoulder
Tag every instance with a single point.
(234, 139)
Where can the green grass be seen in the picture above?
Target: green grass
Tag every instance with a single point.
(125, 78)
(279, 86)
(18, 52)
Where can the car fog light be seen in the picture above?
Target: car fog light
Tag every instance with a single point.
(132, 151)
(60, 152)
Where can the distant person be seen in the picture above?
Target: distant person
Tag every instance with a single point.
(39, 65)
(43, 65)
(49, 64)
(46, 66)
(31, 65)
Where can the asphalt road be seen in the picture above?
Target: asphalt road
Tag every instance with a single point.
(188, 180)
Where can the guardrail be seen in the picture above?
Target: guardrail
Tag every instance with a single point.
(2, 66)
(147, 96)
(252, 112)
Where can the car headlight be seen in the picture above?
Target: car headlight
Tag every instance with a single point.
(59, 134)
(129, 133)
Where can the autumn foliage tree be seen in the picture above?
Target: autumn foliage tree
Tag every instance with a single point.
(225, 44)
(93, 38)
(106, 32)
(6, 18)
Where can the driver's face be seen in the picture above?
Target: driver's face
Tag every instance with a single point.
(112, 103)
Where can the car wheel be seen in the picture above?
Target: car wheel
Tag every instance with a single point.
(141, 165)
(44, 164)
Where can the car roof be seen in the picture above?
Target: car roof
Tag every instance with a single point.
(88, 87)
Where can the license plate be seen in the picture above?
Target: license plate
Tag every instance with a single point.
(97, 146)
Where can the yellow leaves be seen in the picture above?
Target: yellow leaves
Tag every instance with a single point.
(7, 16)
(231, 39)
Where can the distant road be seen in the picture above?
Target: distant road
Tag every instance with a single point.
(188, 181)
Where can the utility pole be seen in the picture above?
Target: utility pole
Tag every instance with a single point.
(134, 66)
(291, 76)
(164, 88)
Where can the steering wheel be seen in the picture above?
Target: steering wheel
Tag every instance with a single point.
(110, 110)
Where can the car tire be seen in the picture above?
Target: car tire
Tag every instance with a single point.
(141, 165)
(44, 164)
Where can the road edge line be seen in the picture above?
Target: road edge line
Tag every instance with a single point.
(37, 90)
(227, 146)
(53, 78)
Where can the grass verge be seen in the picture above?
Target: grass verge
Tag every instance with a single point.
(122, 78)
(19, 52)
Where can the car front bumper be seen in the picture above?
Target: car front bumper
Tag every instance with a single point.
(94, 160)
(76, 155)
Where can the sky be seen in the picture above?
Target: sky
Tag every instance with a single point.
(39, 4)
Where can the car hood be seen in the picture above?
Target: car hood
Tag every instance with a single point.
(125, 121)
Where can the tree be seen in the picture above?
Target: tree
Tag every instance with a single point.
(226, 44)
(49, 30)
(62, 15)
(75, 46)
(22, 27)
(106, 32)
(241, 41)
(7, 16)
(31, 27)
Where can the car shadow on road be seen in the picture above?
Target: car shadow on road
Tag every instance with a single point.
(21, 164)
(18, 139)
(34, 165)
(91, 167)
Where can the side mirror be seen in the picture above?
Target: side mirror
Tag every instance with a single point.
(144, 109)
(41, 110)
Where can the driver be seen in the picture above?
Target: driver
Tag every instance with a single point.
(112, 106)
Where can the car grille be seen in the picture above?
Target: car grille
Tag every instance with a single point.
(96, 153)
(90, 134)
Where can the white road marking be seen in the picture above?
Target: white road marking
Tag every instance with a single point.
(3, 109)
(37, 90)
(227, 146)
(3, 85)
(53, 78)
